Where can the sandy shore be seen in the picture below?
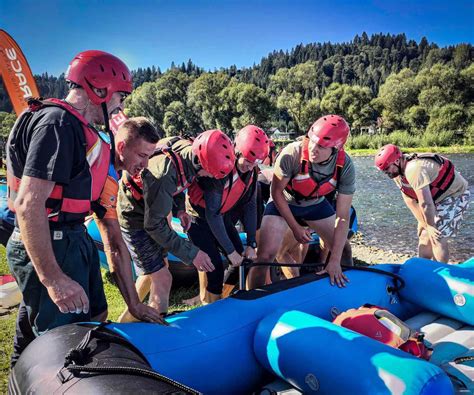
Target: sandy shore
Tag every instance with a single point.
(371, 255)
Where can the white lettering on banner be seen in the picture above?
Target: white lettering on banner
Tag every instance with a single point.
(16, 66)
(11, 54)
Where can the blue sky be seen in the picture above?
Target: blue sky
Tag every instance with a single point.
(216, 33)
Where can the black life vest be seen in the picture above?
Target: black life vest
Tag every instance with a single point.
(73, 202)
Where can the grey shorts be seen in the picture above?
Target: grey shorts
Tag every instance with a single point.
(450, 213)
(148, 257)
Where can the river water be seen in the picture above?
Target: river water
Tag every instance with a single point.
(385, 221)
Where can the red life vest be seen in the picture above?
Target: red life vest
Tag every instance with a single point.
(135, 183)
(304, 187)
(72, 202)
(236, 186)
(441, 183)
(379, 324)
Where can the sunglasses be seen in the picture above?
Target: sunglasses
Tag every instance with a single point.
(123, 96)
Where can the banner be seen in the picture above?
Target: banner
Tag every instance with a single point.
(116, 121)
(16, 74)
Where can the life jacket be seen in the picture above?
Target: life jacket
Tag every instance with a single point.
(303, 186)
(236, 186)
(379, 324)
(441, 183)
(135, 183)
(73, 202)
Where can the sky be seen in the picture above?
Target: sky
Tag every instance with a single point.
(216, 34)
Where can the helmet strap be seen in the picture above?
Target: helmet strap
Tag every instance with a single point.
(109, 132)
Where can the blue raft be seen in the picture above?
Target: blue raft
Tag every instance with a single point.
(240, 344)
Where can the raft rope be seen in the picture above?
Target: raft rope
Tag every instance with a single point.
(75, 360)
(248, 263)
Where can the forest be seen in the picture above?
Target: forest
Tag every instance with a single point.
(389, 89)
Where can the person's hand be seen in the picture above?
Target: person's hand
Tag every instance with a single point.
(250, 253)
(335, 274)
(202, 262)
(68, 295)
(434, 233)
(302, 234)
(185, 220)
(235, 259)
(146, 313)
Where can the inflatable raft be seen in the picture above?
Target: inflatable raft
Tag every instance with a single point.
(241, 344)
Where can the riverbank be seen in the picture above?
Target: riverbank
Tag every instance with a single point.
(454, 149)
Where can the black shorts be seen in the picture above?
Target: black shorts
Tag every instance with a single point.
(314, 212)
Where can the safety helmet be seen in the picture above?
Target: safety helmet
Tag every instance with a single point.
(253, 143)
(101, 70)
(330, 131)
(387, 156)
(215, 152)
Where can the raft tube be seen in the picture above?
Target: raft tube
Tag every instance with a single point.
(316, 356)
(436, 286)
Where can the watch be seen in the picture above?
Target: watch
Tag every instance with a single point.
(253, 244)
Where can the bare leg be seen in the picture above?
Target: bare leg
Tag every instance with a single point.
(272, 233)
(160, 289)
(425, 249)
(196, 300)
(285, 255)
(142, 285)
(441, 250)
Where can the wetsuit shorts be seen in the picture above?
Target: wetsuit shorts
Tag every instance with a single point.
(315, 212)
(148, 257)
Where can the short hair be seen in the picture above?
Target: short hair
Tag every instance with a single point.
(140, 127)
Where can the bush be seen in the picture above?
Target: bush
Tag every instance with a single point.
(441, 139)
(359, 142)
(404, 139)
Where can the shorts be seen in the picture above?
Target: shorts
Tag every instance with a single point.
(77, 257)
(148, 257)
(314, 212)
(450, 212)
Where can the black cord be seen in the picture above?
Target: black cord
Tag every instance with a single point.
(248, 263)
(134, 371)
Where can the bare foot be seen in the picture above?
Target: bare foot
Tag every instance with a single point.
(192, 301)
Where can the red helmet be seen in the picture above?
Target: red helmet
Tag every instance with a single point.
(97, 69)
(215, 152)
(387, 156)
(252, 143)
(330, 131)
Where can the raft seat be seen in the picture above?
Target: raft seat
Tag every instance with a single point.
(450, 339)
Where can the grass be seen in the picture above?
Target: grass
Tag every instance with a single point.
(454, 149)
(116, 306)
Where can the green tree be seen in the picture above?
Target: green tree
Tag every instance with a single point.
(7, 120)
(244, 104)
(204, 100)
(397, 94)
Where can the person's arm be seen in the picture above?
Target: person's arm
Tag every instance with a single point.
(66, 293)
(119, 261)
(215, 220)
(249, 221)
(279, 183)
(333, 268)
(428, 211)
(414, 207)
(158, 199)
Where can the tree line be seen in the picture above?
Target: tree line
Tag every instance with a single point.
(396, 85)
